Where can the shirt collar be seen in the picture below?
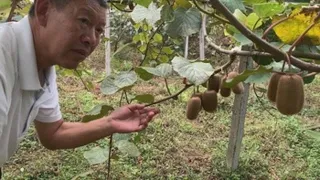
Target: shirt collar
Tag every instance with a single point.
(27, 64)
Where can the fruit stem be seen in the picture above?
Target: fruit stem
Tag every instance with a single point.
(171, 97)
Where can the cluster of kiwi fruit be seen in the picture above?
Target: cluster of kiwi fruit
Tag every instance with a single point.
(287, 92)
(208, 100)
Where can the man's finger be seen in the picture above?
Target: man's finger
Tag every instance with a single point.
(134, 107)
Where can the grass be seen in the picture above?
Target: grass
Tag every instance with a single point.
(172, 147)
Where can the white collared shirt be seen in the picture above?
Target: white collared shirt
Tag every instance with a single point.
(22, 99)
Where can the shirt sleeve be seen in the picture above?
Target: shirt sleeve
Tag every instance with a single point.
(5, 90)
(49, 110)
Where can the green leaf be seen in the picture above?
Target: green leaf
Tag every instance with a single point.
(162, 70)
(150, 14)
(251, 2)
(108, 87)
(185, 23)
(167, 50)
(144, 3)
(264, 10)
(97, 112)
(240, 16)
(262, 60)
(196, 72)
(119, 137)
(244, 40)
(167, 13)
(96, 155)
(232, 5)
(144, 98)
(127, 147)
(258, 78)
(253, 21)
(308, 80)
(182, 3)
(157, 38)
(164, 58)
(255, 73)
(143, 74)
(125, 79)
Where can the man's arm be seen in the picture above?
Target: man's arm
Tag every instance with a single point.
(64, 135)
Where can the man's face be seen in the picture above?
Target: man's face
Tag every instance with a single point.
(72, 33)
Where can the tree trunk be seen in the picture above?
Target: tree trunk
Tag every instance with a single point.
(238, 117)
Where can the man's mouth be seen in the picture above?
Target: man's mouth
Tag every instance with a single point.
(82, 52)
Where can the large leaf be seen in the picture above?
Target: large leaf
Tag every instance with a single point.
(144, 98)
(108, 87)
(264, 10)
(232, 5)
(298, 21)
(186, 22)
(144, 3)
(195, 72)
(162, 70)
(127, 147)
(150, 14)
(96, 155)
(258, 75)
(120, 137)
(125, 79)
(167, 13)
(143, 74)
(97, 112)
(243, 40)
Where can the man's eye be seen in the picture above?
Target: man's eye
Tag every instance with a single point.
(100, 31)
(84, 21)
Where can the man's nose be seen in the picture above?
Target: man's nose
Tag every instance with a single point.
(89, 38)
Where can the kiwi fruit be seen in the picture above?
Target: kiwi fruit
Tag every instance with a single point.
(193, 107)
(290, 94)
(224, 91)
(209, 101)
(272, 87)
(214, 83)
(238, 88)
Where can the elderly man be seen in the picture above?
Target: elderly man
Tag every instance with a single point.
(56, 32)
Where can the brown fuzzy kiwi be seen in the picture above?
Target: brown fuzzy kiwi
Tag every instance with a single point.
(209, 101)
(214, 83)
(290, 94)
(272, 87)
(238, 88)
(224, 91)
(193, 107)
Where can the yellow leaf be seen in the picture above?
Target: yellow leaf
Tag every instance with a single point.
(299, 20)
(182, 3)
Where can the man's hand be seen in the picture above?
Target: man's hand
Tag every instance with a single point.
(131, 118)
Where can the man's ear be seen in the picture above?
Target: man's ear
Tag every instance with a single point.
(41, 10)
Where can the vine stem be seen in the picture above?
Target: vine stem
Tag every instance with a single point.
(172, 96)
(126, 95)
(273, 25)
(109, 159)
(82, 80)
(210, 14)
(167, 86)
